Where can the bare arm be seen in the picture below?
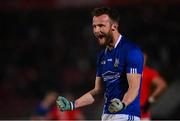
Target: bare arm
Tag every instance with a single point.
(88, 98)
(134, 85)
(160, 86)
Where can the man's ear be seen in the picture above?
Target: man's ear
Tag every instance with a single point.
(114, 26)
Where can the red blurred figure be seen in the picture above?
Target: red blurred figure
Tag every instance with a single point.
(45, 106)
(55, 114)
(150, 78)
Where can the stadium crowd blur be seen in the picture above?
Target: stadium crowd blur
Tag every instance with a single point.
(54, 48)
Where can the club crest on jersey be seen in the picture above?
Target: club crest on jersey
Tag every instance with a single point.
(116, 63)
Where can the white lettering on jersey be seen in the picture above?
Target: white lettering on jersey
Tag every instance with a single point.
(109, 75)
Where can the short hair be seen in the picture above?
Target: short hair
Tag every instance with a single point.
(111, 12)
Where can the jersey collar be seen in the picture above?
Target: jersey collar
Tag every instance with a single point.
(117, 42)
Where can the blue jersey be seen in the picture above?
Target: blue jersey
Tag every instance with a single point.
(112, 67)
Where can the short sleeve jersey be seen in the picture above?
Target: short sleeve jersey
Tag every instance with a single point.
(113, 66)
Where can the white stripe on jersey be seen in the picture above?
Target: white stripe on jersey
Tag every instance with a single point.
(119, 117)
(133, 70)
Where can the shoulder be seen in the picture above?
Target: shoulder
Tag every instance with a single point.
(129, 45)
(130, 48)
(132, 53)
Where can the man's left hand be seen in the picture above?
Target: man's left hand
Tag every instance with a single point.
(116, 105)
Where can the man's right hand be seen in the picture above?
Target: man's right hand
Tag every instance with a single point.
(64, 105)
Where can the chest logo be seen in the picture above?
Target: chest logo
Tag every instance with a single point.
(116, 63)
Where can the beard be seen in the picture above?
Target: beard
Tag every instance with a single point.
(105, 38)
(108, 38)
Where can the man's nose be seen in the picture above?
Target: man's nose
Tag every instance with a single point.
(96, 30)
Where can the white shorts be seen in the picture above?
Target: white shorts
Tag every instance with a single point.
(119, 117)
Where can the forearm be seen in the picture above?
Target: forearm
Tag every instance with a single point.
(157, 92)
(86, 99)
(132, 92)
(130, 96)
(160, 86)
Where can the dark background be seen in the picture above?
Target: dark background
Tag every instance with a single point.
(49, 44)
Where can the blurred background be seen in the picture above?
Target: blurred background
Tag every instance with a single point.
(49, 45)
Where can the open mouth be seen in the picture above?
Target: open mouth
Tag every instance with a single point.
(100, 36)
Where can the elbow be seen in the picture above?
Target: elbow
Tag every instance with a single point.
(164, 86)
(98, 90)
(93, 93)
(92, 101)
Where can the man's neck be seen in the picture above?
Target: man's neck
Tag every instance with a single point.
(114, 41)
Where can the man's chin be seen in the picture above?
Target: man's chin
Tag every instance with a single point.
(102, 42)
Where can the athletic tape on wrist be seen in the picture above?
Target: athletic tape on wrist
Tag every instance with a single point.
(72, 105)
(124, 105)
